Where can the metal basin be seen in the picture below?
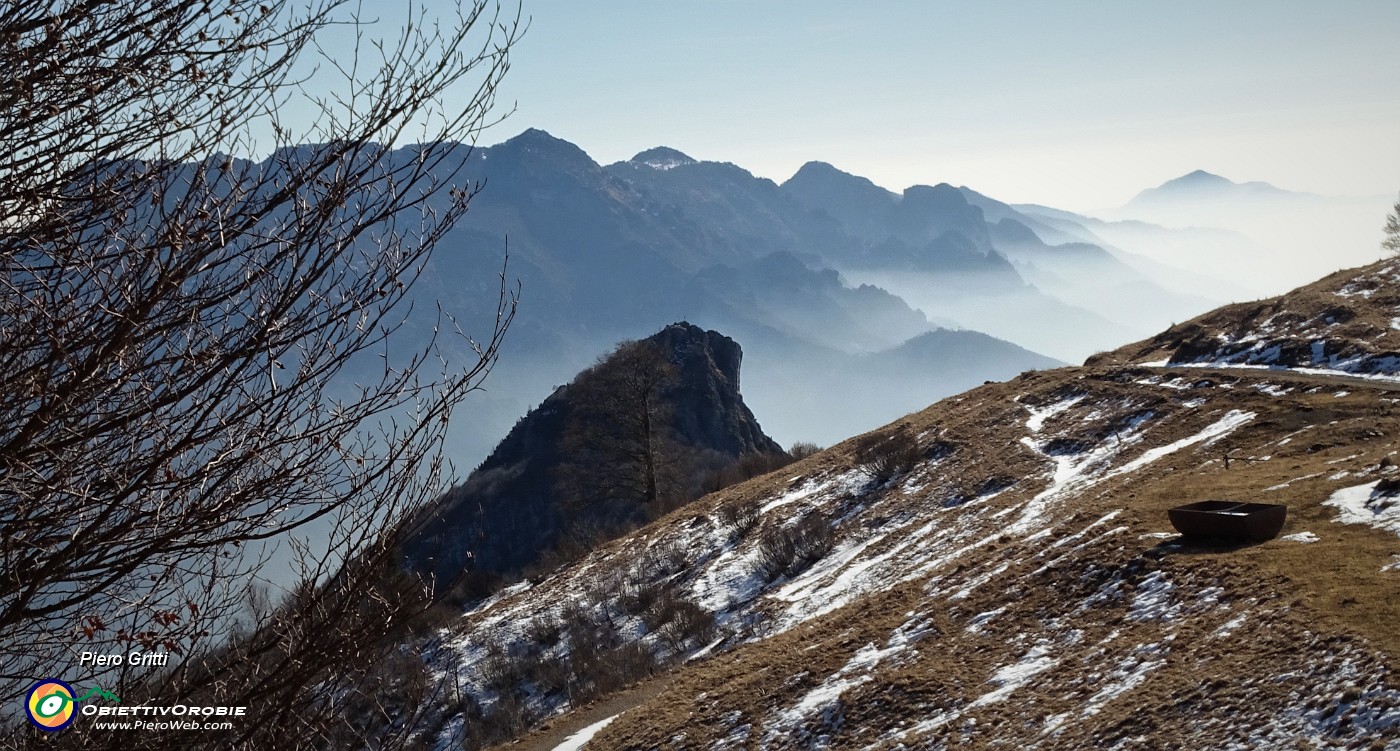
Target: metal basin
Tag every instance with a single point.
(1232, 520)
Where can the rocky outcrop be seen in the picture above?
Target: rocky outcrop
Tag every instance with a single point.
(710, 411)
(511, 510)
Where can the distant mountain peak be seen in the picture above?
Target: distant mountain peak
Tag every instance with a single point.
(1198, 178)
(824, 173)
(816, 167)
(941, 191)
(1201, 185)
(662, 157)
(536, 141)
(534, 136)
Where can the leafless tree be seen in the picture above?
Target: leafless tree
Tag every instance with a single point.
(195, 347)
(620, 436)
(1392, 230)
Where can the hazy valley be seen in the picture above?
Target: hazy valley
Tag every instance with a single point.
(827, 280)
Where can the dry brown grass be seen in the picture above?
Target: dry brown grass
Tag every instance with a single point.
(1310, 612)
(1357, 321)
(1332, 589)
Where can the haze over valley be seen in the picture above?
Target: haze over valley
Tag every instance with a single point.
(854, 304)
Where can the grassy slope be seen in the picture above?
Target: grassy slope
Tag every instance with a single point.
(1296, 598)
(1355, 312)
(1104, 631)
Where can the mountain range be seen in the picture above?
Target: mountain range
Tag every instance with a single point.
(819, 278)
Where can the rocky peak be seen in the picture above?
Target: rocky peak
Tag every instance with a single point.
(535, 145)
(696, 350)
(662, 158)
(1196, 179)
(709, 409)
(511, 510)
(927, 211)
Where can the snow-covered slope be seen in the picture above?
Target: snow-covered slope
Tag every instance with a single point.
(1018, 585)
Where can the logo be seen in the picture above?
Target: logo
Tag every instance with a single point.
(50, 705)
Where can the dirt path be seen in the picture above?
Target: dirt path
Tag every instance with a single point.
(548, 736)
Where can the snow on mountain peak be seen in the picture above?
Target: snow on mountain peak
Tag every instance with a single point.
(662, 158)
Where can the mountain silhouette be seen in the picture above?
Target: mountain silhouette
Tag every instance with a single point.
(522, 500)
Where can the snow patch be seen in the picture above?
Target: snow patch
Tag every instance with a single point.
(582, 737)
(1082, 471)
(1283, 485)
(1272, 389)
(1305, 538)
(975, 625)
(846, 480)
(1127, 675)
(1230, 626)
(1153, 600)
(802, 588)
(1385, 368)
(730, 580)
(857, 671)
(1212, 433)
(979, 580)
(1016, 675)
(1040, 414)
(1364, 504)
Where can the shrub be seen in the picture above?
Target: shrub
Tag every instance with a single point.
(500, 671)
(664, 559)
(437, 616)
(510, 716)
(627, 663)
(585, 627)
(791, 549)
(599, 666)
(883, 457)
(600, 590)
(753, 465)
(549, 674)
(637, 597)
(544, 631)
(470, 586)
(803, 449)
(740, 515)
(663, 609)
(744, 468)
(688, 624)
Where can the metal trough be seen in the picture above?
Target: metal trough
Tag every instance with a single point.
(1234, 520)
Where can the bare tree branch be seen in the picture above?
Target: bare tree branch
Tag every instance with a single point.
(195, 347)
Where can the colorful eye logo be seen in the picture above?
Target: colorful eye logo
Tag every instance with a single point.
(50, 705)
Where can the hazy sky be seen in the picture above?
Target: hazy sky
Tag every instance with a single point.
(1074, 104)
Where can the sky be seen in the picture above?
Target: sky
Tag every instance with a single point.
(1073, 104)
